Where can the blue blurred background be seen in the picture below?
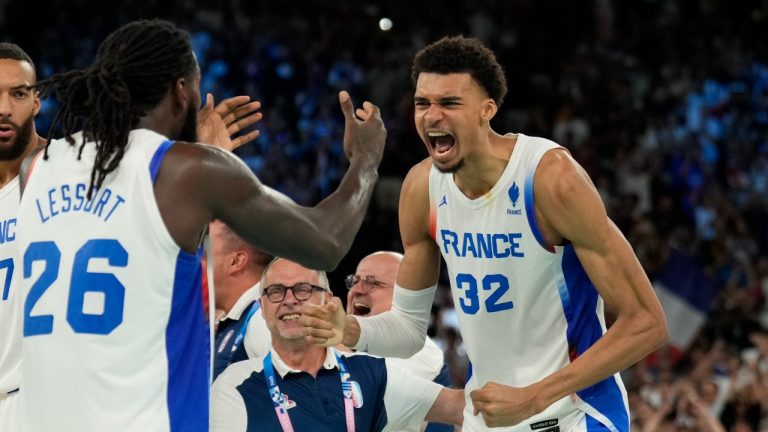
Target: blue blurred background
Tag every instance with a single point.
(665, 104)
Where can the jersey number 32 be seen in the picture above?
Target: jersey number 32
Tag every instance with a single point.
(496, 284)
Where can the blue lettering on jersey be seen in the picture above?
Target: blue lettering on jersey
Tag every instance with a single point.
(7, 230)
(482, 245)
(80, 194)
(60, 200)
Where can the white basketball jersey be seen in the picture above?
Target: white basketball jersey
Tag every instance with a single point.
(114, 334)
(524, 310)
(10, 306)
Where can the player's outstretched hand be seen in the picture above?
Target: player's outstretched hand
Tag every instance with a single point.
(502, 405)
(217, 125)
(323, 324)
(364, 132)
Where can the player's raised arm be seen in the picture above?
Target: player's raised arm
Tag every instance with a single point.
(401, 331)
(319, 236)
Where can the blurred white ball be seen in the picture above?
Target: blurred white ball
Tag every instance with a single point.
(385, 24)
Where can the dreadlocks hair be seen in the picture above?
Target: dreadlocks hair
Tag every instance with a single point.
(459, 54)
(134, 68)
(11, 51)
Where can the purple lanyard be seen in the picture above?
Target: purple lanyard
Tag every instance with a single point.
(279, 402)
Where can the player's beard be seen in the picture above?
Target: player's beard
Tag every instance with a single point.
(188, 131)
(20, 141)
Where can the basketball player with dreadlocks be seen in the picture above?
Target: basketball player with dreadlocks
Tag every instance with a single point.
(111, 220)
(19, 104)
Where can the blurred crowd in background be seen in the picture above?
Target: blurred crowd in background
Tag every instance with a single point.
(664, 103)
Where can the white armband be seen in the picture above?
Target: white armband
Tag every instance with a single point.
(401, 331)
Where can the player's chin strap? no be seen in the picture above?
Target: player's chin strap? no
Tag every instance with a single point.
(401, 331)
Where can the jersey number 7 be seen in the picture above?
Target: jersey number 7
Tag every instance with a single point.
(7, 264)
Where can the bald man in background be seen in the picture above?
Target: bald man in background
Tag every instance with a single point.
(370, 293)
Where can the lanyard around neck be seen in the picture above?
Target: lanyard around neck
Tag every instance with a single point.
(241, 334)
(280, 403)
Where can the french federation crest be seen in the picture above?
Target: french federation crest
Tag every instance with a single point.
(514, 194)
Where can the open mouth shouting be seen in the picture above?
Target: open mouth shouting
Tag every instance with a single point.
(361, 306)
(441, 142)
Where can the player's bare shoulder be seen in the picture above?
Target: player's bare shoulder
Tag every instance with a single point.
(567, 203)
(197, 152)
(414, 203)
(559, 176)
(415, 190)
(202, 163)
(417, 178)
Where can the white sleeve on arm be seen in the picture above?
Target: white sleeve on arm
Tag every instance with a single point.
(401, 331)
(407, 398)
(228, 412)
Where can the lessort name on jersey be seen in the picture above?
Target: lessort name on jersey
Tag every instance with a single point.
(67, 198)
(481, 245)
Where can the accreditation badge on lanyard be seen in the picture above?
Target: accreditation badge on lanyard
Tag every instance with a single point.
(281, 409)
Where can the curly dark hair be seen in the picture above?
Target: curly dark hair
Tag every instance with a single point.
(133, 70)
(11, 51)
(459, 54)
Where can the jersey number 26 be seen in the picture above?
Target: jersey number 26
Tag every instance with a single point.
(82, 282)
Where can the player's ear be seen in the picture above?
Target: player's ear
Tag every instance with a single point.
(180, 95)
(489, 109)
(36, 96)
(238, 261)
